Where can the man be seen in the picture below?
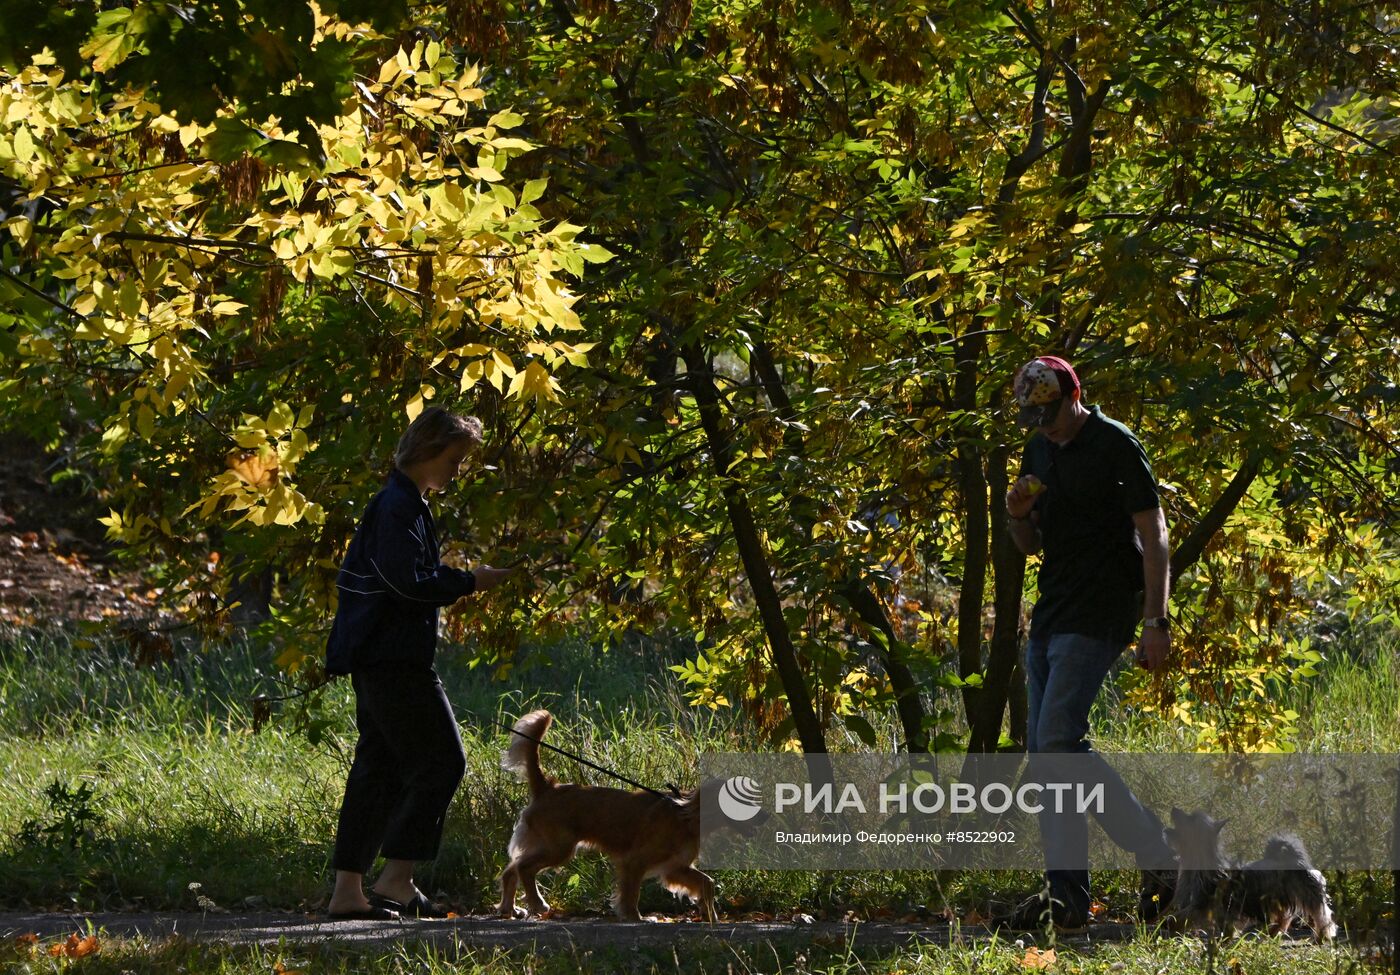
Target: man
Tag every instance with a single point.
(1086, 501)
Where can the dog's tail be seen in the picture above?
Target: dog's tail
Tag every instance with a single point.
(523, 756)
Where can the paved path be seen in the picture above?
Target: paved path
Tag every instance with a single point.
(267, 928)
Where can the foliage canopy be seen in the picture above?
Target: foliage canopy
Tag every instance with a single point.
(825, 236)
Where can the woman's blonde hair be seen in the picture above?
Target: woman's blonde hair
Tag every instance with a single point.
(432, 432)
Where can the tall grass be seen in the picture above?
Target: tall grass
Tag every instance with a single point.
(1354, 704)
(183, 792)
(1351, 705)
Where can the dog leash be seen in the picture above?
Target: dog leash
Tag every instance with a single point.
(674, 794)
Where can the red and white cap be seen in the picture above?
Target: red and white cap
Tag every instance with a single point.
(1040, 385)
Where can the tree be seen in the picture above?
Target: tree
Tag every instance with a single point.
(236, 63)
(236, 334)
(835, 234)
(841, 231)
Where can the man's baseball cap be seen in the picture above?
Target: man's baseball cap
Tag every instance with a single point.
(1040, 385)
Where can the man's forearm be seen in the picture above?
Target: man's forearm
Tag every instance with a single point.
(1156, 561)
(1025, 534)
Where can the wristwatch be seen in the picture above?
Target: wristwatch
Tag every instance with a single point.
(1157, 623)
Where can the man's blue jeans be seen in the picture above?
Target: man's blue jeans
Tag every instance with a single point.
(1064, 673)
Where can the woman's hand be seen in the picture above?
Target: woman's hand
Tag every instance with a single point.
(488, 577)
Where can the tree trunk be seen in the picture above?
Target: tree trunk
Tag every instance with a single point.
(973, 482)
(755, 559)
(1018, 708)
(908, 705)
(1009, 573)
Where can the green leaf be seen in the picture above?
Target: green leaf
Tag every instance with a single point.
(231, 140)
(114, 38)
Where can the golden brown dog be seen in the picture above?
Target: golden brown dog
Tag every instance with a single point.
(644, 834)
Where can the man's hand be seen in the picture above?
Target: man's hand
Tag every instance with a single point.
(1021, 498)
(1153, 649)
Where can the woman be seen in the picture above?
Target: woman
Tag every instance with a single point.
(409, 758)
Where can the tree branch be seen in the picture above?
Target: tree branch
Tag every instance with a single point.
(1189, 552)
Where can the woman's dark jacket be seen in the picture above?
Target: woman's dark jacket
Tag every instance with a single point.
(391, 585)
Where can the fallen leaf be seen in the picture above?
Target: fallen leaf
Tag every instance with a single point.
(1098, 909)
(81, 949)
(1036, 958)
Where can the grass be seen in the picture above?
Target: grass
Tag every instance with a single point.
(1150, 956)
(1363, 685)
(135, 783)
(184, 792)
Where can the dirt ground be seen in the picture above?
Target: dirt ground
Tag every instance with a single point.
(55, 563)
(478, 932)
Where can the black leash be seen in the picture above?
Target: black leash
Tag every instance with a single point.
(674, 794)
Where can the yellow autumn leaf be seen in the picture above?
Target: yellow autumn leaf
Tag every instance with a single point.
(110, 49)
(505, 120)
(535, 382)
(417, 401)
(472, 374)
(503, 362)
(256, 469)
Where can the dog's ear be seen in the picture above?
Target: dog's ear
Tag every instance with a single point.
(1218, 825)
(1177, 816)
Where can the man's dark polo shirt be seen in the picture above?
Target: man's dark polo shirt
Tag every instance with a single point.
(1091, 577)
